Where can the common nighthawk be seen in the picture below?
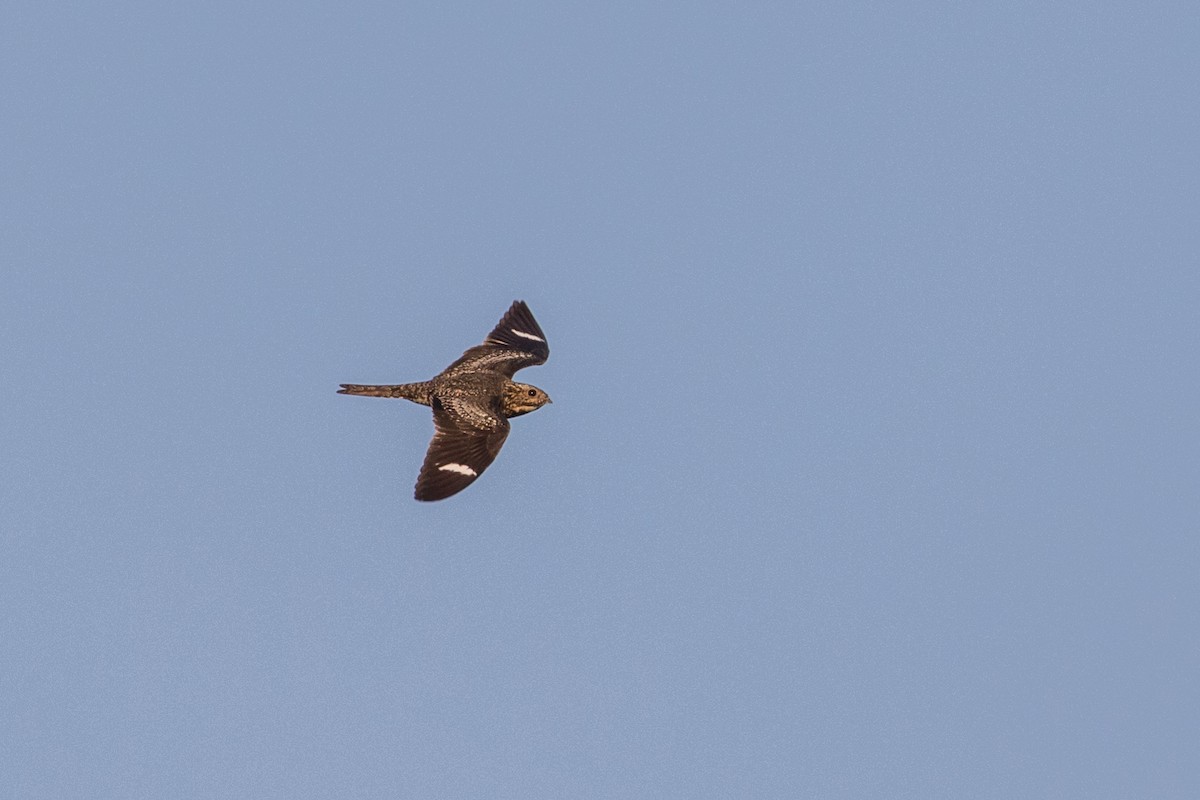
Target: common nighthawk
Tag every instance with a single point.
(472, 401)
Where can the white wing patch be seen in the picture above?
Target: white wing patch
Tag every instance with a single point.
(461, 469)
(525, 335)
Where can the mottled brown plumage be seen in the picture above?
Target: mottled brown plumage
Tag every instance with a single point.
(472, 401)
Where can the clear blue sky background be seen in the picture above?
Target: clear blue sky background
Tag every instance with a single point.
(872, 470)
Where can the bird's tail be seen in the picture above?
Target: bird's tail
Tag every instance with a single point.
(417, 392)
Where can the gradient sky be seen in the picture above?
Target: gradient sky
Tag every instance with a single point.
(872, 469)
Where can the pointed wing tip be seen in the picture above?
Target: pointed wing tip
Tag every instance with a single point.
(425, 492)
(519, 330)
(436, 490)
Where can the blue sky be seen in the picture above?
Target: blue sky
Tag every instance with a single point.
(872, 465)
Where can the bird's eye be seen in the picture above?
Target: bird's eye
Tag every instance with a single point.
(533, 392)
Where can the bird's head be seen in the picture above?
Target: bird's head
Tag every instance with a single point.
(521, 398)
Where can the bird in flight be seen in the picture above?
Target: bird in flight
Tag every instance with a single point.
(472, 401)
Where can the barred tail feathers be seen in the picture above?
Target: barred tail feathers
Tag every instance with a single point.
(417, 392)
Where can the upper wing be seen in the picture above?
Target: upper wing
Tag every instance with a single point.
(516, 342)
(460, 450)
